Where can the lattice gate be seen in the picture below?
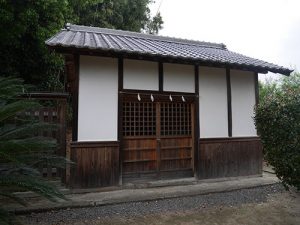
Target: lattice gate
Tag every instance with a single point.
(157, 139)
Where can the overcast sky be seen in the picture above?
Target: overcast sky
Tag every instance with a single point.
(264, 29)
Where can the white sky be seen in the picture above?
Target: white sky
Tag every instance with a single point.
(263, 29)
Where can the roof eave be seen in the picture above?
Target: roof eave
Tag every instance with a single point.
(117, 53)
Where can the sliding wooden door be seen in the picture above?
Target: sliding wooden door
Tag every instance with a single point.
(157, 139)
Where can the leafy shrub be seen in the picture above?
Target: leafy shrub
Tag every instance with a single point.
(21, 152)
(277, 119)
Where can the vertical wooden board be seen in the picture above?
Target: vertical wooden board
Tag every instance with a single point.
(244, 165)
(97, 165)
(229, 157)
(234, 151)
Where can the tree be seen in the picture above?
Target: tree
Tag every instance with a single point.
(153, 26)
(277, 119)
(26, 24)
(133, 15)
(21, 152)
(268, 87)
(24, 27)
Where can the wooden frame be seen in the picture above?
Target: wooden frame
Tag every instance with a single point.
(160, 77)
(229, 105)
(94, 144)
(196, 123)
(75, 96)
(159, 95)
(120, 111)
(229, 139)
(170, 153)
(120, 88)
(146, 96)
(256, 86)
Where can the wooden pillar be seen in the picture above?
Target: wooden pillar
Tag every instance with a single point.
(256, 88)
(120, 118)
(160, 77)
(229, 105)
(197, 125)
(75, 99)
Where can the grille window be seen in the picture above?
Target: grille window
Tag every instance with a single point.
(175, 119)
(139, 119)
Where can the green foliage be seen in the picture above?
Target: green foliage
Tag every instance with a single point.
(133, 15)
(24, 27)
(153, 26)
(26, 24)
(21, 151)
(277, 119)
(267, 88)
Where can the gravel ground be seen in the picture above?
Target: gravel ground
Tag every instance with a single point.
(136, 209)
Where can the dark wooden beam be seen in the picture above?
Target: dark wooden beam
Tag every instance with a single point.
(229, 105)
(120, 89)
(120, 74)
(197, 80)
(256, 88)
(197, 124)
(94, 144)
(160, 77)
(229, 139)
(135, 91)
(146, 97)
(75, 95)
(120, 111)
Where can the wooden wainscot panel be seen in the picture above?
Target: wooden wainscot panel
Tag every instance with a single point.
(97, 164)
(229, 157)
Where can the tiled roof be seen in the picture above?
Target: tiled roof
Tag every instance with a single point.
(94, 38)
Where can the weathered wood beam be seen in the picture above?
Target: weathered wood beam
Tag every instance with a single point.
(229, 105)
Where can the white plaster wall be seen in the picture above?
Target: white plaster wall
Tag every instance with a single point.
(178, 77)
(140, 75)
(213, 113)
(98, 99)
(243, 102)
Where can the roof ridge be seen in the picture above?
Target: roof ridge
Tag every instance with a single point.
(82, 28)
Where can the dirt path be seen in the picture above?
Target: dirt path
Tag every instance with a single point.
(279, 208)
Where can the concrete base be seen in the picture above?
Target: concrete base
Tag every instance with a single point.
(154, 191)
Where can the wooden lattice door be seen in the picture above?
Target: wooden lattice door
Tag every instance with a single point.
(157, 139)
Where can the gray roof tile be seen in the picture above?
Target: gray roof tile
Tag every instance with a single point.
(83, 37)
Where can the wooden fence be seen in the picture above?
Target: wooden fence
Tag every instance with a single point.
(55, 113)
